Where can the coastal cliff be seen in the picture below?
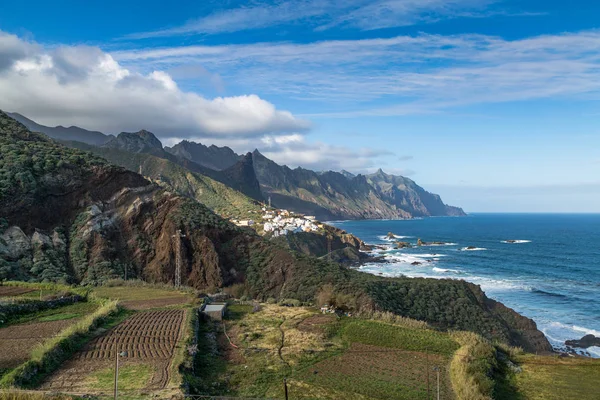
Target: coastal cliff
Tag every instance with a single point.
(68, 216)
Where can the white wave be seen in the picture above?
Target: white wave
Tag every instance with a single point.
(491, 285)
(585, 331)
(557, 333)
(442, 270)
(385, 238)
(407, 258)
(428, 255)
(519, 241)
(473, 249)
(438, 244)
(594, 351)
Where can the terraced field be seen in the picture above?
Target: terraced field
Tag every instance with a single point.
(10, 291)
(143, 298)
(322, 356)
(148, 337)
(19, 339)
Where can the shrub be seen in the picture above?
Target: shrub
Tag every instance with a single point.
(290, 303)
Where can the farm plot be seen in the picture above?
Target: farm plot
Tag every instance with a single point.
(10, 291)
(17, 341)
(148, 337)
(377, 372)
(322, 356)
(143, 298)
(23, 334)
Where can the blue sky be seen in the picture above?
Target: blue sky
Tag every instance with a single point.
(492, 104)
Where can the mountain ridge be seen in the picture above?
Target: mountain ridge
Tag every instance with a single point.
(64, 133)
(328, 195)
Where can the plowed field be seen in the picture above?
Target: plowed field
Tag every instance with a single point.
(17, 341)
(148, 337)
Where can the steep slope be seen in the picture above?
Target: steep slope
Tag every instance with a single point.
(329, 195)
(66, 215)
(240, 176)
(335, 195)
(217, 196)
(213, 157)
(405, 194)
(63, 133)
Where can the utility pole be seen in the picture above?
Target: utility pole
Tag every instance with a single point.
(269, 201)
(427, 370)
(177, 246)
(117, 355)
(437, 370)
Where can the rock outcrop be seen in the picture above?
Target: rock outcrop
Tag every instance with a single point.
(584, 342)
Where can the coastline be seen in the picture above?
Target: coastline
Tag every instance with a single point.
(433, 262)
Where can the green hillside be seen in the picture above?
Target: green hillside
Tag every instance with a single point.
(217, 196)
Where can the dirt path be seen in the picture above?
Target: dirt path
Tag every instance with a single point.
(280, 348)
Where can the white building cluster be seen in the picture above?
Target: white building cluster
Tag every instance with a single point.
(281, 222)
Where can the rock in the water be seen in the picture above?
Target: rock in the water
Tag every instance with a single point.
(390, 235)
(584, 342)
(419, 242)
(471, 247)
(415, 263)
(403, 245)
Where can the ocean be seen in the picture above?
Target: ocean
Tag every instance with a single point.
(551, 273)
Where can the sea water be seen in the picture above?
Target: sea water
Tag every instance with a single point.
(550, 272)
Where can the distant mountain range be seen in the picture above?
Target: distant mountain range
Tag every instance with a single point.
(327, 195)
(62, 133)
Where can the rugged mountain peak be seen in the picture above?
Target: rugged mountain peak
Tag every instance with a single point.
(136, 142)
(347, 174)
(213, 157)
(381, 174)
(243, 177)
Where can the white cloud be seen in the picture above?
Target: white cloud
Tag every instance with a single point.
(325, 14)
(411, 74)
(84, 86)
(294, 150)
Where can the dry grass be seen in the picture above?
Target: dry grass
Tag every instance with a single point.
(553, 378)
(471, 366)
(392, 318)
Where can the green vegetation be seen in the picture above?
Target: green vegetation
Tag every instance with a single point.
(215, 195)
(76, 310)
(131, 377)
(321, 356)
(27, 156)
(393, 336)
(53, 352)
(444, 303)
